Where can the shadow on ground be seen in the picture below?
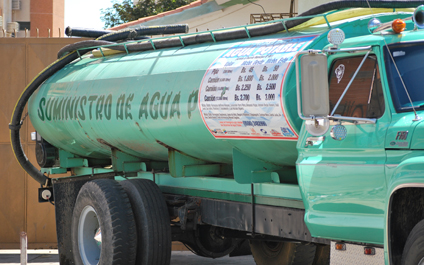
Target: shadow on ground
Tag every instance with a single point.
(32, 258)
(177, 258)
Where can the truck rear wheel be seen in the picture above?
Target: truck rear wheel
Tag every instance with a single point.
(282, 253)
(413, 252)
(210, 243)
(322, 255)
(103, 226)
(152, 221)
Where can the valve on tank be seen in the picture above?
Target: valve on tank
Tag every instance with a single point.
(45, 153)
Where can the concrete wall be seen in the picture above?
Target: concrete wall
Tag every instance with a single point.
(22, 59)
(22, 14)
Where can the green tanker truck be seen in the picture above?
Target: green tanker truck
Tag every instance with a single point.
(297, 138)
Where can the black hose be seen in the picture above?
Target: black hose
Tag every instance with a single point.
(111, 35)
(161, 30)
(80, 45)
(16, 123)
(86, 33)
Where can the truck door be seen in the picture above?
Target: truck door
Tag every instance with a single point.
(341, 174)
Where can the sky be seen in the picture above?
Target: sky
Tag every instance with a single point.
(85, 13)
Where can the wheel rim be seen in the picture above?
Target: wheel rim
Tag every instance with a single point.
(88, 228)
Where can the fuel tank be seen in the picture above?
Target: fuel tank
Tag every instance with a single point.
(202, 100)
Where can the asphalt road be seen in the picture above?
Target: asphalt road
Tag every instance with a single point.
(50, 257)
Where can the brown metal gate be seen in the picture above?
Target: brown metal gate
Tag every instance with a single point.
(21, 59)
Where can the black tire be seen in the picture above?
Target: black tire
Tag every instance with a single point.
(322, 255)
(105, 203)
(282, 253)
(413, 251)
(208, 242)
(152, 221)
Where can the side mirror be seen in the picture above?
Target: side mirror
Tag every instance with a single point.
(315, 95)
(314, 103)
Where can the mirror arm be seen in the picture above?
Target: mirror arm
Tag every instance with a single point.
(299, 108)
(354, 119)
(350, 83)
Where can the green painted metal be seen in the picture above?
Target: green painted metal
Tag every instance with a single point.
(347, 184)
(68, 160)
(131, 102)
(181, 165)
(250, 170)
(53, 170)
(287, 195)
(122, 162)
(84, 171)
(346, 178)
(134, 101)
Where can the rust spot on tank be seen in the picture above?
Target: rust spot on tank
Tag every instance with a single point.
(86, 134)
(165, 145)
(79, 123)
(104, 142)
(140, 129)
(107, 144)
(170, 148)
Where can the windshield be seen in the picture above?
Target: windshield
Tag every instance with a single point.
(409, 58)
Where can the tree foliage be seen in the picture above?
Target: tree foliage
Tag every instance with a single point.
(124, 11)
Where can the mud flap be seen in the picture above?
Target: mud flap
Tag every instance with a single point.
(65, 192)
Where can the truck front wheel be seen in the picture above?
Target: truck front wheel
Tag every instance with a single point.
(103, 226)
(413, 252)
(282, 253)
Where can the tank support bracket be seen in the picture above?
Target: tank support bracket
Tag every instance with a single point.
(68, 160)
(126, 163)
(182, 165)
(249, 170)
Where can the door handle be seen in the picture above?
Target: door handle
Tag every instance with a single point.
(311, 141)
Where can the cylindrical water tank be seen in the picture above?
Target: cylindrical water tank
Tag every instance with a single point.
(202, 100)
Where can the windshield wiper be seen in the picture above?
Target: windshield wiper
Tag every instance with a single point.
(420, 106)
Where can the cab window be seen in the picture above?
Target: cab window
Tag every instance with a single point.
(364, 99)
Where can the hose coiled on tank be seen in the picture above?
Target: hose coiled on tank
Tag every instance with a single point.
(69, 54)
(135, 33)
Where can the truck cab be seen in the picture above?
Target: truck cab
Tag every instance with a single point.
(363, 171)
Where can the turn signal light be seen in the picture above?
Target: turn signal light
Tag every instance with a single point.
(398, 25)
(369, 251)
(340, 246)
